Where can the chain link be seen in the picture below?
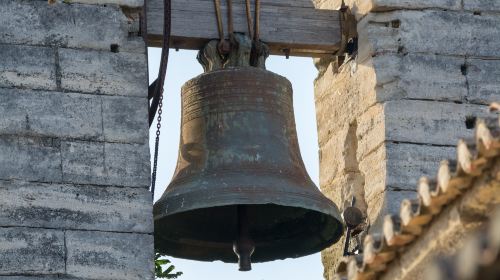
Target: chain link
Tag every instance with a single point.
(157, 144)
(158, 92)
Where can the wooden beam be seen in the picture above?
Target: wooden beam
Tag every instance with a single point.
(285, 24)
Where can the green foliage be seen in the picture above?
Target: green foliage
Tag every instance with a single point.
(168, 272)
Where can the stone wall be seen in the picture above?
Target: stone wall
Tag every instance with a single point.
(74, 155)
(423, 72)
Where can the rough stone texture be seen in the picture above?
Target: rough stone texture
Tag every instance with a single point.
(482, 77)
(50, 114)
(125, 119)
(73, 115)
(127, 3)
(74, 207)
(410, 75)
(83, 163)
(113, 256)
(74, 155)
(31, 251)
(103, 72)
(32, 159)
(407, 162)
(408, 32)
(362, 7)
(36, 23)
(408, 4)
(53, 277)
(423, 72)
(342, 96)
(105, 163)
(40, 159)
(25, 66)
(427, 122)
(482, 5)
(128, 164)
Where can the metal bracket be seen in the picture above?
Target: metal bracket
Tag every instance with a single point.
(349, 32)
(239, 56)
(356, 223)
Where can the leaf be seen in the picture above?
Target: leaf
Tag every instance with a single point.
(167, 273)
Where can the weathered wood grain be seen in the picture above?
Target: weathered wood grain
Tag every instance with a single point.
(295, 25)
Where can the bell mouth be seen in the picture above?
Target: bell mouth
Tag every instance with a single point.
(278, 232)
(197, 219)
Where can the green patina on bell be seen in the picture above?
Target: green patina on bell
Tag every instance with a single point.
(240, 184)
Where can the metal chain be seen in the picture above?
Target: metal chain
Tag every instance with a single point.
(157, 144)
(159, 88)
(158, 84)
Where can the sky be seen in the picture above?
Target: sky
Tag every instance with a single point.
(183, 66)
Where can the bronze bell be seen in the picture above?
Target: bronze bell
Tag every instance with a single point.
(240, 185)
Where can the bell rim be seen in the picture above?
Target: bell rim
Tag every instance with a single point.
(315, 202)
(334, 238)
(231, 200)
(230, 187)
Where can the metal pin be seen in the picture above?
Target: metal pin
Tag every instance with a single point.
(287, 53)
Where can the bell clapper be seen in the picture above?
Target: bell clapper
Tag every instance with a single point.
(243, 246)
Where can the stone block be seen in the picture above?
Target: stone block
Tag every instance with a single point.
(83, 163)
(125, 119)
(460, 33)
(104, 72)
(432, 77)
(32, 159)
(342, 96)
(428, 122)
(362, 7)
(33, 278)
(51, 114)
(377, 35)
(349, 145)
(113, 256)
(46, 277)
(370, 131)
(31, 251)
(332, 163)
(406, 163)
(374, 168)
(106, 163)
(26, 66)
(62, 25)
(75, 207)
(128, 164)
(484, 85)
(482, 5)
(381, 5)
(127, 3)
